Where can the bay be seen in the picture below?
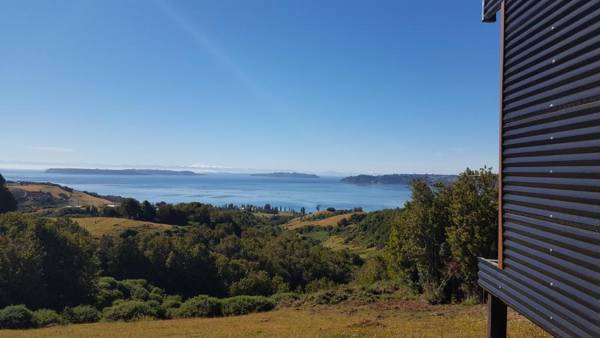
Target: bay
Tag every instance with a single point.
(221, 189)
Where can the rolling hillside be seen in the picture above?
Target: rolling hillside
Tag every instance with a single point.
(98, 226)
(47, 195)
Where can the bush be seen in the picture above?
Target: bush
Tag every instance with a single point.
(199, 306)
(171, 302)
(320, 284)
(374, 270)
(286, 298)
(133, 310)
(81, 314)
(16, 317)
(108, 292)
(241, 305)
(46, 317)
(137, 288)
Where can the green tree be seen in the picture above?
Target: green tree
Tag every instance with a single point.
(415, 248)
(148, 211)
(474, 222)
(131, 208)
(7, 200)
(44, 262)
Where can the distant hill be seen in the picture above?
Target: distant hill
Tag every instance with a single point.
(133, 172)
(33, 196)
(398, 179)
(286, 175)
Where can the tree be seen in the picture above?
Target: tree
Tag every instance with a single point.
(148, 211)
(474, 222)
(7, 200)
(45, 262)
(131, 208)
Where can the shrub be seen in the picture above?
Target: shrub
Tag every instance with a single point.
(46, 317)
(241, 305)
(171, 302)
(132, 310)
(255, 283)
(137, 288)
(286, 298)
(81, 314)
(16, 317)
(108, 292)
(372, 271)
(199, 306)
(320, 284)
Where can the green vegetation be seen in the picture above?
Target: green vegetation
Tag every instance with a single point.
(7, 201)
(141, 261)
(441, 232)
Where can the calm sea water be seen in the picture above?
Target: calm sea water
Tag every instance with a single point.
(221, 189)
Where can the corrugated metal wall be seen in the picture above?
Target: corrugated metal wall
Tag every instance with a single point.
(550, 164)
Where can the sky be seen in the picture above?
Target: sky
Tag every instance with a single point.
(321, 86)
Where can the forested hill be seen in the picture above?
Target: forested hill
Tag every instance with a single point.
(399, 179)
(79, 171)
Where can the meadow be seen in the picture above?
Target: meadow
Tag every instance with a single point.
(391, 318)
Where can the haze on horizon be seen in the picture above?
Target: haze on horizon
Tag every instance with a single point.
(327, 86)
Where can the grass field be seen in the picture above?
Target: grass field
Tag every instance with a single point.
(382, 319)
(305, 221)
(98, 226)
(74, 198)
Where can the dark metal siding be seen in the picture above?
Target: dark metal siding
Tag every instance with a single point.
(550, 164)
(490, 7)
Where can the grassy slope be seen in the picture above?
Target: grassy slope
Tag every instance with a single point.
(75, 198)
(305, 221)
(382, 319)
(98, 226)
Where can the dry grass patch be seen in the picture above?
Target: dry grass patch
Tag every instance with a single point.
(98, 226)
(305, 221)
(73, 198)
(383, 319)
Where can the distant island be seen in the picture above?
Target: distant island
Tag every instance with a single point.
(130, 172)
(398, 179)
(286, 175)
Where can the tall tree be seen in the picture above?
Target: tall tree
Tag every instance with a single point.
(7, 200)
(148, 211)
(473, 221)
(131, 208)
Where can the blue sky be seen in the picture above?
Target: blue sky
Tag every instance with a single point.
(345, 86)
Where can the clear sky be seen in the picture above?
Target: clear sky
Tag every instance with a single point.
(326, 85)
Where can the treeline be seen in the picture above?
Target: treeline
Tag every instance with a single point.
(176, 214)
(442, 230)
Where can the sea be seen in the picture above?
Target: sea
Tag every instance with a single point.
(221, 189)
